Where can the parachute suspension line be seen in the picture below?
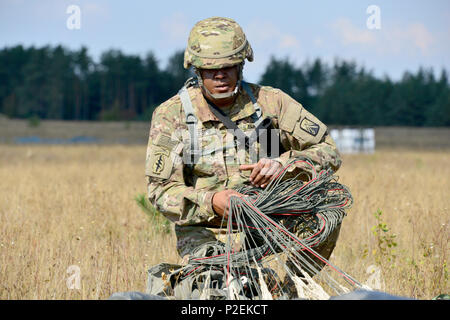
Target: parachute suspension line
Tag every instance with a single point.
(262, 241)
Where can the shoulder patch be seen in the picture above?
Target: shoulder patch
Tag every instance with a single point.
(309, 126)
(159, 163)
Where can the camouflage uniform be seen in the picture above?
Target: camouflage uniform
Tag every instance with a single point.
(184, 193)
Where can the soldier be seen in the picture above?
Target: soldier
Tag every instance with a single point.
(193, 162)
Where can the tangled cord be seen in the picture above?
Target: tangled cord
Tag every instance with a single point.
(268, 222)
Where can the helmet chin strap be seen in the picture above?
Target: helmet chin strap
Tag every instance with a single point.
(225, 95)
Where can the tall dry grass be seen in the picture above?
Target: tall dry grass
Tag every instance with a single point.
(409, 242)
(63, 206)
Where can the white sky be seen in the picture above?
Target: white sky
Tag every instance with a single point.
(412, 34)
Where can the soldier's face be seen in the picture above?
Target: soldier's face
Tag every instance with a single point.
(220, 80)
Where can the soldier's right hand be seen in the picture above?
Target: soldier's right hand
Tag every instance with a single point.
(221, 200)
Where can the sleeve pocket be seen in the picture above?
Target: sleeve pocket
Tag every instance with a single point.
(290, 117)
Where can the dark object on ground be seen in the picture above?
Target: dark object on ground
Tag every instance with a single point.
(368, 295)
(355, 295)
(134, 295)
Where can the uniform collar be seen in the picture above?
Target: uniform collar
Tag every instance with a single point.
(242, 107)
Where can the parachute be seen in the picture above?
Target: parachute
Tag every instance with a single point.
(270, 233)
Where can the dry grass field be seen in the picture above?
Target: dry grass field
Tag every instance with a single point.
(63, 206)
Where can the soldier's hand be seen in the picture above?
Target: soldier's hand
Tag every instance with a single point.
(221, 200)
(262, 172)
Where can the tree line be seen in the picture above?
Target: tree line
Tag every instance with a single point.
(58, 83)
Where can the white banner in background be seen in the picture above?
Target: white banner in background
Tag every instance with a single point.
(354, 140)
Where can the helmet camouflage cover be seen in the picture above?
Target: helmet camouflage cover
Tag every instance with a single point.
(216, 43)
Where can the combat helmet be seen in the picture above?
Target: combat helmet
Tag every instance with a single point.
(216, 43)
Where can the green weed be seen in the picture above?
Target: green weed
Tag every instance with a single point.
(386, 243)
(157, 220)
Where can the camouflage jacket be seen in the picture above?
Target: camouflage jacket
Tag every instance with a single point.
(183, 193)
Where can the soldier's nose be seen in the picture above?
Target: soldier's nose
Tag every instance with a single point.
(219, 74)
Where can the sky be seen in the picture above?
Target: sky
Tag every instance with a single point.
(408, 34)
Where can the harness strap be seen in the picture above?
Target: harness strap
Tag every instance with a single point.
(191, 121)
(257, 116)
(238, 133)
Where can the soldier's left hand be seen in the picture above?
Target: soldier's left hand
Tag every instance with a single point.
(262, 172)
